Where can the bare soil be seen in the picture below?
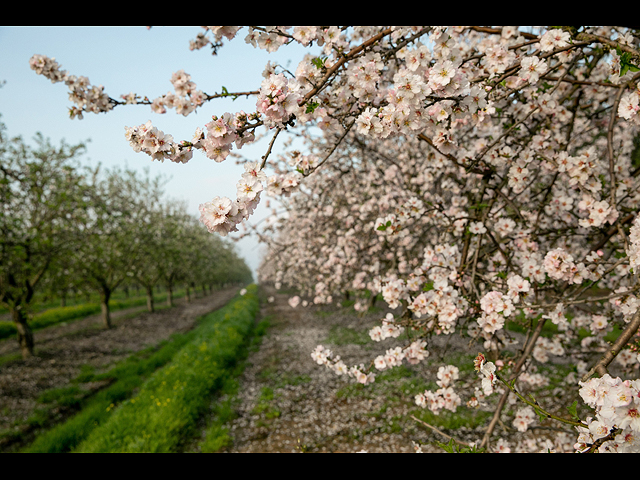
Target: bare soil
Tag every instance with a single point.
(61, 351)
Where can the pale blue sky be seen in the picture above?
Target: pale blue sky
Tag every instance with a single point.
(134, 59)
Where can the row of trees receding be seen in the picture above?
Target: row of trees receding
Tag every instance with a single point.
(65, 227)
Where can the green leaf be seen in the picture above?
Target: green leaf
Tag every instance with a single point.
(427, 286)
(311, 106)
(541, 415)
(453, 447)
(624, 69)
(448, 447)
(384, 226)
(479, 205)
(625, 62)
(319, 62)
(573, 410)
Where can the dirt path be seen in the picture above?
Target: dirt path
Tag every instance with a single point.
(61, 350)
(288, 403)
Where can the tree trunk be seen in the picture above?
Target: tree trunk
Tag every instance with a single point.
(150, 298)
(104, 305)
(169, 295)
(25, 334)
(188, 294)
(372, 301)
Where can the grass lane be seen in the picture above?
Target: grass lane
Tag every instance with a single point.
(169, 403)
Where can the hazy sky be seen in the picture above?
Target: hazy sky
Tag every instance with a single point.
(134, 59)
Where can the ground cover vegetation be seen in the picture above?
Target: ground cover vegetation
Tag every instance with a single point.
(477, 178)
(175, 396)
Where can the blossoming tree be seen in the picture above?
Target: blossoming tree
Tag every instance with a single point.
(42, 193)
(474, 177)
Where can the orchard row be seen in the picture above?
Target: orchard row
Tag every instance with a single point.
(68, 229)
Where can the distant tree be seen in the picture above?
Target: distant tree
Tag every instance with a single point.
(147, 270)
(42, 195)
(112, 243)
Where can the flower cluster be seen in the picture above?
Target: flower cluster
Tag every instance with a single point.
(633, 251)
(545, 347)
(282, 185)
(524, 417)
(270, 40)
(487, 370)
(495, 308)
(388, 329)
(531, 68)
(557, 317)
(627, 305)
(554, 38)
(222, 215)
(218, 32)
(185, 98)
(221, 133)
(582, 170)
(155, 143)
(86, 97)
(617, 413)
(444, 397)
(441, 302)
(559, 265)
(403, 215)
(629, 106)
(324, 356)
(294, 301)
(600, 212)
(394, 357)
(277, 102)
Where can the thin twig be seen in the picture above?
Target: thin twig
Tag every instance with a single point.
(459, 442)
(629, 331)
(266, 155)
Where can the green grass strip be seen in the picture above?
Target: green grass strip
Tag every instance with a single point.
(169, 403)
(216, 435)
(126, 377)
